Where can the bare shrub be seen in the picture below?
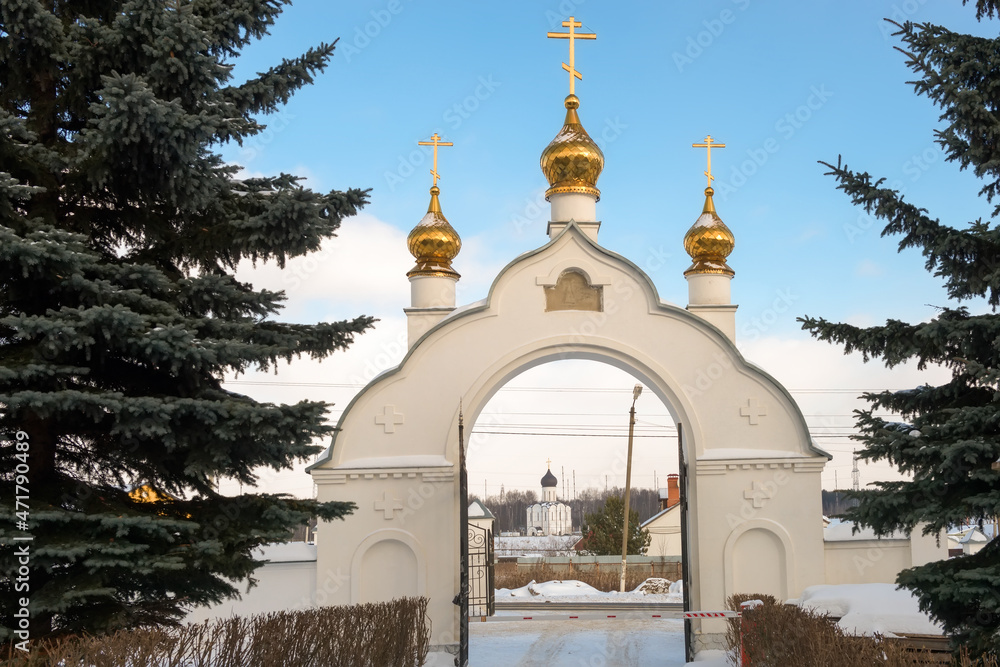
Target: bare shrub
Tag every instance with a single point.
(965, 661)
(777, 635)
(367, 635)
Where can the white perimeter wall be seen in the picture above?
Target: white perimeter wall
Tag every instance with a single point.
(287, 582)
(874, 561)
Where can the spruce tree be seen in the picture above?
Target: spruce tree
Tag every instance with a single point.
(602, 530)
(949, 441)
(120, 231)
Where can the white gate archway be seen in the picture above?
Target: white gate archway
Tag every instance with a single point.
(754, 473)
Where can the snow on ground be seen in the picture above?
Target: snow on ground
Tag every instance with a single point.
(711, 659)
(843, 531)
(868, 608)
(863, 608)
(579, 644)
(571, 590)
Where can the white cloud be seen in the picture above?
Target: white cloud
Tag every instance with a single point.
(861, 320)
(362, 269)
(826, 384)
(867, 268)
(806, 363)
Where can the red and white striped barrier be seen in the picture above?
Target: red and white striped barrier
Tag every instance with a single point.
(578, 616)
(711, 614)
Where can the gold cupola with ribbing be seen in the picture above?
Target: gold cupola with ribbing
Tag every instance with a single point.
(434, 243)
(709, 242)
(572, 162)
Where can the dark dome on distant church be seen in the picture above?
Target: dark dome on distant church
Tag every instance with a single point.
(549, 480)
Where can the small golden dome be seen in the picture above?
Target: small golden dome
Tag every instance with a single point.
(709, 241)
(572, 162)
(434, 242)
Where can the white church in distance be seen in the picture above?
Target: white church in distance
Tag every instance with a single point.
(549, 517)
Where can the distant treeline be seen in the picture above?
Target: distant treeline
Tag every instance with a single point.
(510, 508)
(836, 503)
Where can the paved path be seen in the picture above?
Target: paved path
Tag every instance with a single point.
(578, 643)
(557, 607)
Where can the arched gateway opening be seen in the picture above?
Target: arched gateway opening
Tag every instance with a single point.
(570, 417)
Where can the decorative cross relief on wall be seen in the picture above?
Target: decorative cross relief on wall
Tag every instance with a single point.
(572, 291)
(388, 505)
(754, 411)
(389, 418)
(759, 494)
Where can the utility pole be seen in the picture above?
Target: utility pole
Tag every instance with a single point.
(856, 474)
(996, 519)
(628, 482)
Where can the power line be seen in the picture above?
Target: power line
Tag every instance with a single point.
(614, 390)
(574, 434)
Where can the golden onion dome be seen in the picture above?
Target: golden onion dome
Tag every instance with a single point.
(709, 241)
(434, 242)
(572, 162)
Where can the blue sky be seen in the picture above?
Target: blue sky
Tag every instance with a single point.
(783, 84)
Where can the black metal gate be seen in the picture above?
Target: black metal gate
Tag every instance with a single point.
(462, 599)
(685, 543)
(482, 601)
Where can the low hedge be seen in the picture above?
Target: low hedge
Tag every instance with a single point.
(366, 635)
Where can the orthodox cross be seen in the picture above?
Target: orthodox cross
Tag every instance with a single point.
(709, 144)
(548, 462)
(435, 142)
(572, 36)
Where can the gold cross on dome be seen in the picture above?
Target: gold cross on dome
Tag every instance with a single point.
(709, 145)
(435, 142)
(572, 36)
(548, 462)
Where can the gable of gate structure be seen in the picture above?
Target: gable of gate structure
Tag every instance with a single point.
(571, 299)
